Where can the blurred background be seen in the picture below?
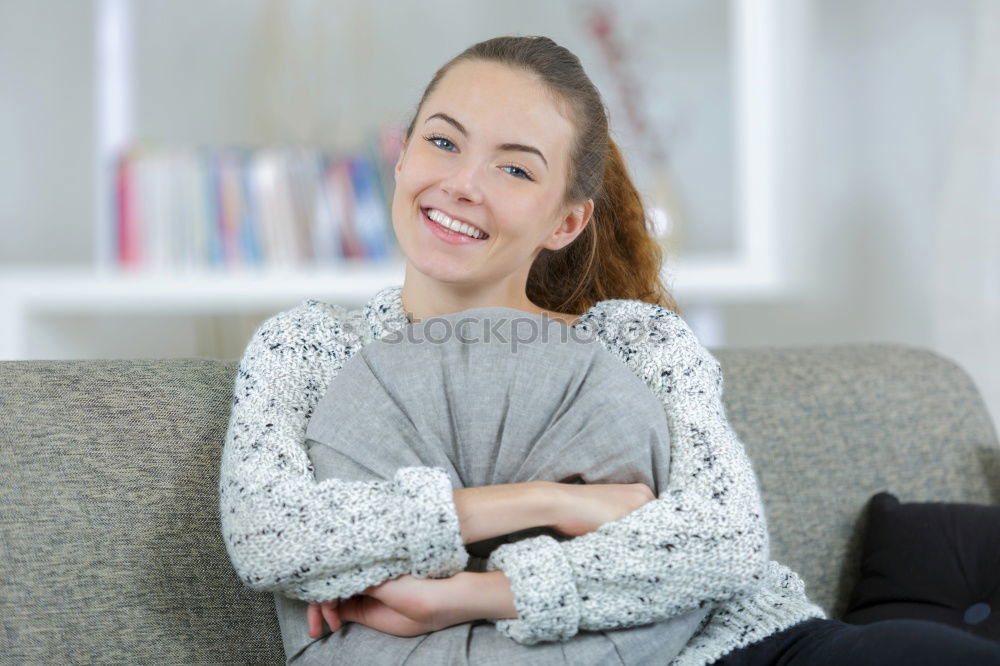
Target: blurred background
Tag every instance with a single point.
(818, 171)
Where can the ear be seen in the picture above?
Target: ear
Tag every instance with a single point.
(399, 162)
(571, 226)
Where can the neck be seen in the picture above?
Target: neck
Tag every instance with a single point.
(424, 297)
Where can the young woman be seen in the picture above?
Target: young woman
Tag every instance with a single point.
(510, 192)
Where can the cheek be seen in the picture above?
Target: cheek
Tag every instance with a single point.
(416, 174)
(523, 212)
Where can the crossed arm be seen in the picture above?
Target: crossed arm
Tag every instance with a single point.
(407, 606)
(321, 541)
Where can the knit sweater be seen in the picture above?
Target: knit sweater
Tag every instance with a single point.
(703, 541)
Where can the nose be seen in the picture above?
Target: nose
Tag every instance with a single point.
(463, 183)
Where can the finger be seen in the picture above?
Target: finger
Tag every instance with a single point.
(331, 614)
(377, 615)
(315, 621)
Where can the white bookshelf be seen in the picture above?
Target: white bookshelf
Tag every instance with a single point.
(752, 272)
(31, 295)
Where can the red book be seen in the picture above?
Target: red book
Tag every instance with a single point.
(128, 240)
(342, 194)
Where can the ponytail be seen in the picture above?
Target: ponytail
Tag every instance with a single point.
(615, 256)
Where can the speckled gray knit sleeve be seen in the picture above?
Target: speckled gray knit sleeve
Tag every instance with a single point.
(703, 541)
(316, 541)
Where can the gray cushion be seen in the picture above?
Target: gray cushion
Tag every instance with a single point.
(491, 395)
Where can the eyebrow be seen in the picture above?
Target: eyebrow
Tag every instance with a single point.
(503, 146)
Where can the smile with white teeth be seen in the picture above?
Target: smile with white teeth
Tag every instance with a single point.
(460, 227)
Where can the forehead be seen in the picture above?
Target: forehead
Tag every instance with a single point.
(501, 104)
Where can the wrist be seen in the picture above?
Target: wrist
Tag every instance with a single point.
(556, 503)
(482, 596)
(489, 511)
(545, 502)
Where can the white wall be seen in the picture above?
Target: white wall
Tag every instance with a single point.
(46, 131)
(872, 95)
(884, 88)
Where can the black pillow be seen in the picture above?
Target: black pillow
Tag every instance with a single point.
(930, 561)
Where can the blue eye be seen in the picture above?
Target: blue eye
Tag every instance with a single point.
(432, 139)
(524, 175)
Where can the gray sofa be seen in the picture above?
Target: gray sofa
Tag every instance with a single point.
(110, 550)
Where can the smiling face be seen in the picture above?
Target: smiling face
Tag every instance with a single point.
(489, 148)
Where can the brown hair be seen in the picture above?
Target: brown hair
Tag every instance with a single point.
(615, 256)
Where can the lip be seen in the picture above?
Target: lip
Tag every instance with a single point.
(424, 209)
(449, 237)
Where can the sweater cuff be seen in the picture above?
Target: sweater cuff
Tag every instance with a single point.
(545, 595)
(432, 537)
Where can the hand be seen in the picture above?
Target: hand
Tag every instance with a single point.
(403, 606)
(317, 612)
(585, 507)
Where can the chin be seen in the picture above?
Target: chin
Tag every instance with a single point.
(442, 269)
(445, 274)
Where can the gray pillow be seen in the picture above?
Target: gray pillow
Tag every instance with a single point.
(491, 395)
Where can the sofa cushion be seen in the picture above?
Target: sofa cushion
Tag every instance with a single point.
(934, 561)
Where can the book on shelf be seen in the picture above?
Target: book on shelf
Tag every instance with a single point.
(240, 207)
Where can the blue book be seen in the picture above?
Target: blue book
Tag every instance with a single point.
(369, 210)
(249, 234)
(213, 214)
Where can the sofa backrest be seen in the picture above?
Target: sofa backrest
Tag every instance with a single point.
(109, 534)
(829, 426)
(110, 543)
